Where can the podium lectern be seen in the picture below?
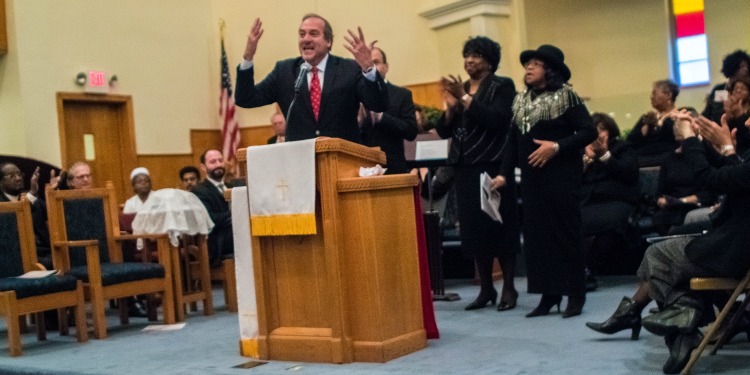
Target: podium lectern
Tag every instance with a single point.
(351, 292)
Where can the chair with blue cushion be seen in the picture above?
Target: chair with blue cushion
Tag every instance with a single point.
(86, 242)
(23, 296)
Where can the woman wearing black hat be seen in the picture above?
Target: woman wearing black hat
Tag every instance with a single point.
(551, 126)
(477, 121)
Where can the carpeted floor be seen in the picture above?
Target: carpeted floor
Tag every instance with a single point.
(484, 341)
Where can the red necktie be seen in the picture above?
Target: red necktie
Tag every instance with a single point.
(315, 92)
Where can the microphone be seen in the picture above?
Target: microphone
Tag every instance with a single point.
(304, 68)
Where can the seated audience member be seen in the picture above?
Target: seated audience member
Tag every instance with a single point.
(678, 191)
(279, 128)
(737, 109)
(652, 136)
(734, 65)
(141, 182)
(11, 189)
(78, 176)
(609, 188)
(189, 177)
(669, 265)
(211, 194)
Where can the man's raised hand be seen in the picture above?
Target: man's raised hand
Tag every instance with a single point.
(359, 48)
(252, 40)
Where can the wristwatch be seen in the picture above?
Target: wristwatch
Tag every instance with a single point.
(466, 97)
(726, 149)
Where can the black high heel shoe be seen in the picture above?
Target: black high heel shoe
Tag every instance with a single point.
(508, 305)
(575, 306)
(545, 305)
(482, 301)
(627, 316)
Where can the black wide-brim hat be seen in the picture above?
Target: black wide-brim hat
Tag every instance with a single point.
(551, 55)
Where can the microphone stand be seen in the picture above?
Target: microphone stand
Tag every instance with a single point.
(297, 88)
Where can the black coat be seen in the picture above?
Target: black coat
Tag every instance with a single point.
(725, 248)
(551, 194)
(220, 240)
(344, 87)
(397, 124)
(616, 179)
(656, 145)
(477, 135)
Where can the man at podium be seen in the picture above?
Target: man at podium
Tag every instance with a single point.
(319, 92)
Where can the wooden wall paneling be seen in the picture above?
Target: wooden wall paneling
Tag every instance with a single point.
(3, 29)
(164, 169)
(256, 135)
(427, 94)
(203, 139)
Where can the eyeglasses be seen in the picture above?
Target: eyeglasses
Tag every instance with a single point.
(82, 176)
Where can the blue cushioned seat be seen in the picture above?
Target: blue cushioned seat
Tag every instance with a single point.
(37, 287)
(116, 273)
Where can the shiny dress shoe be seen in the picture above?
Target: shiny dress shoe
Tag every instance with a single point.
(681, 346)
(137, 310)
(627, 316)
(482, 301)
(675, 319)
(545, 305)
(508, 304)
(575, 306)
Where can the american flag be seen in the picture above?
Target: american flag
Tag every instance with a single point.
(230, 130)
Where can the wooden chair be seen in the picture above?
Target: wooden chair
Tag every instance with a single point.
(738, 287)
(89, 219)
(18, 296)
(192, 281)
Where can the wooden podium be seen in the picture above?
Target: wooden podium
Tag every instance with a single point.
(351, 292)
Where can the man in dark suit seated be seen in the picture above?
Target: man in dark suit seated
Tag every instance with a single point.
(328, 97)
(211, 193)
(11, 187)
(389, 129)
(279, 128)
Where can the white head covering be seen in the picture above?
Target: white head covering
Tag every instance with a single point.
(137, 171)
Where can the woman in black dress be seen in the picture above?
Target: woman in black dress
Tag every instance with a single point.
(477, 121)
(551, 126)
(652, 136)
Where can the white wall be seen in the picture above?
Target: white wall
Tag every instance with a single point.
(166, 54)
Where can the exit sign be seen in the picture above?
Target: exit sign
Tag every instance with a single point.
(97, 82)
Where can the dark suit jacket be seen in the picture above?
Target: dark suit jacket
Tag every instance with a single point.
(617, 179)
(398, 123)
(725, 248)
(220, 240)
(344, 87)
(39, 221)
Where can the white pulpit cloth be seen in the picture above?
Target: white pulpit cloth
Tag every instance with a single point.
(174, 212)
(247, 309)
(281, 188)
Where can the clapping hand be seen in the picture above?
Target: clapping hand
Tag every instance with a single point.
(453, 85)
(34, 182)
(718, 135)
(359, 48)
